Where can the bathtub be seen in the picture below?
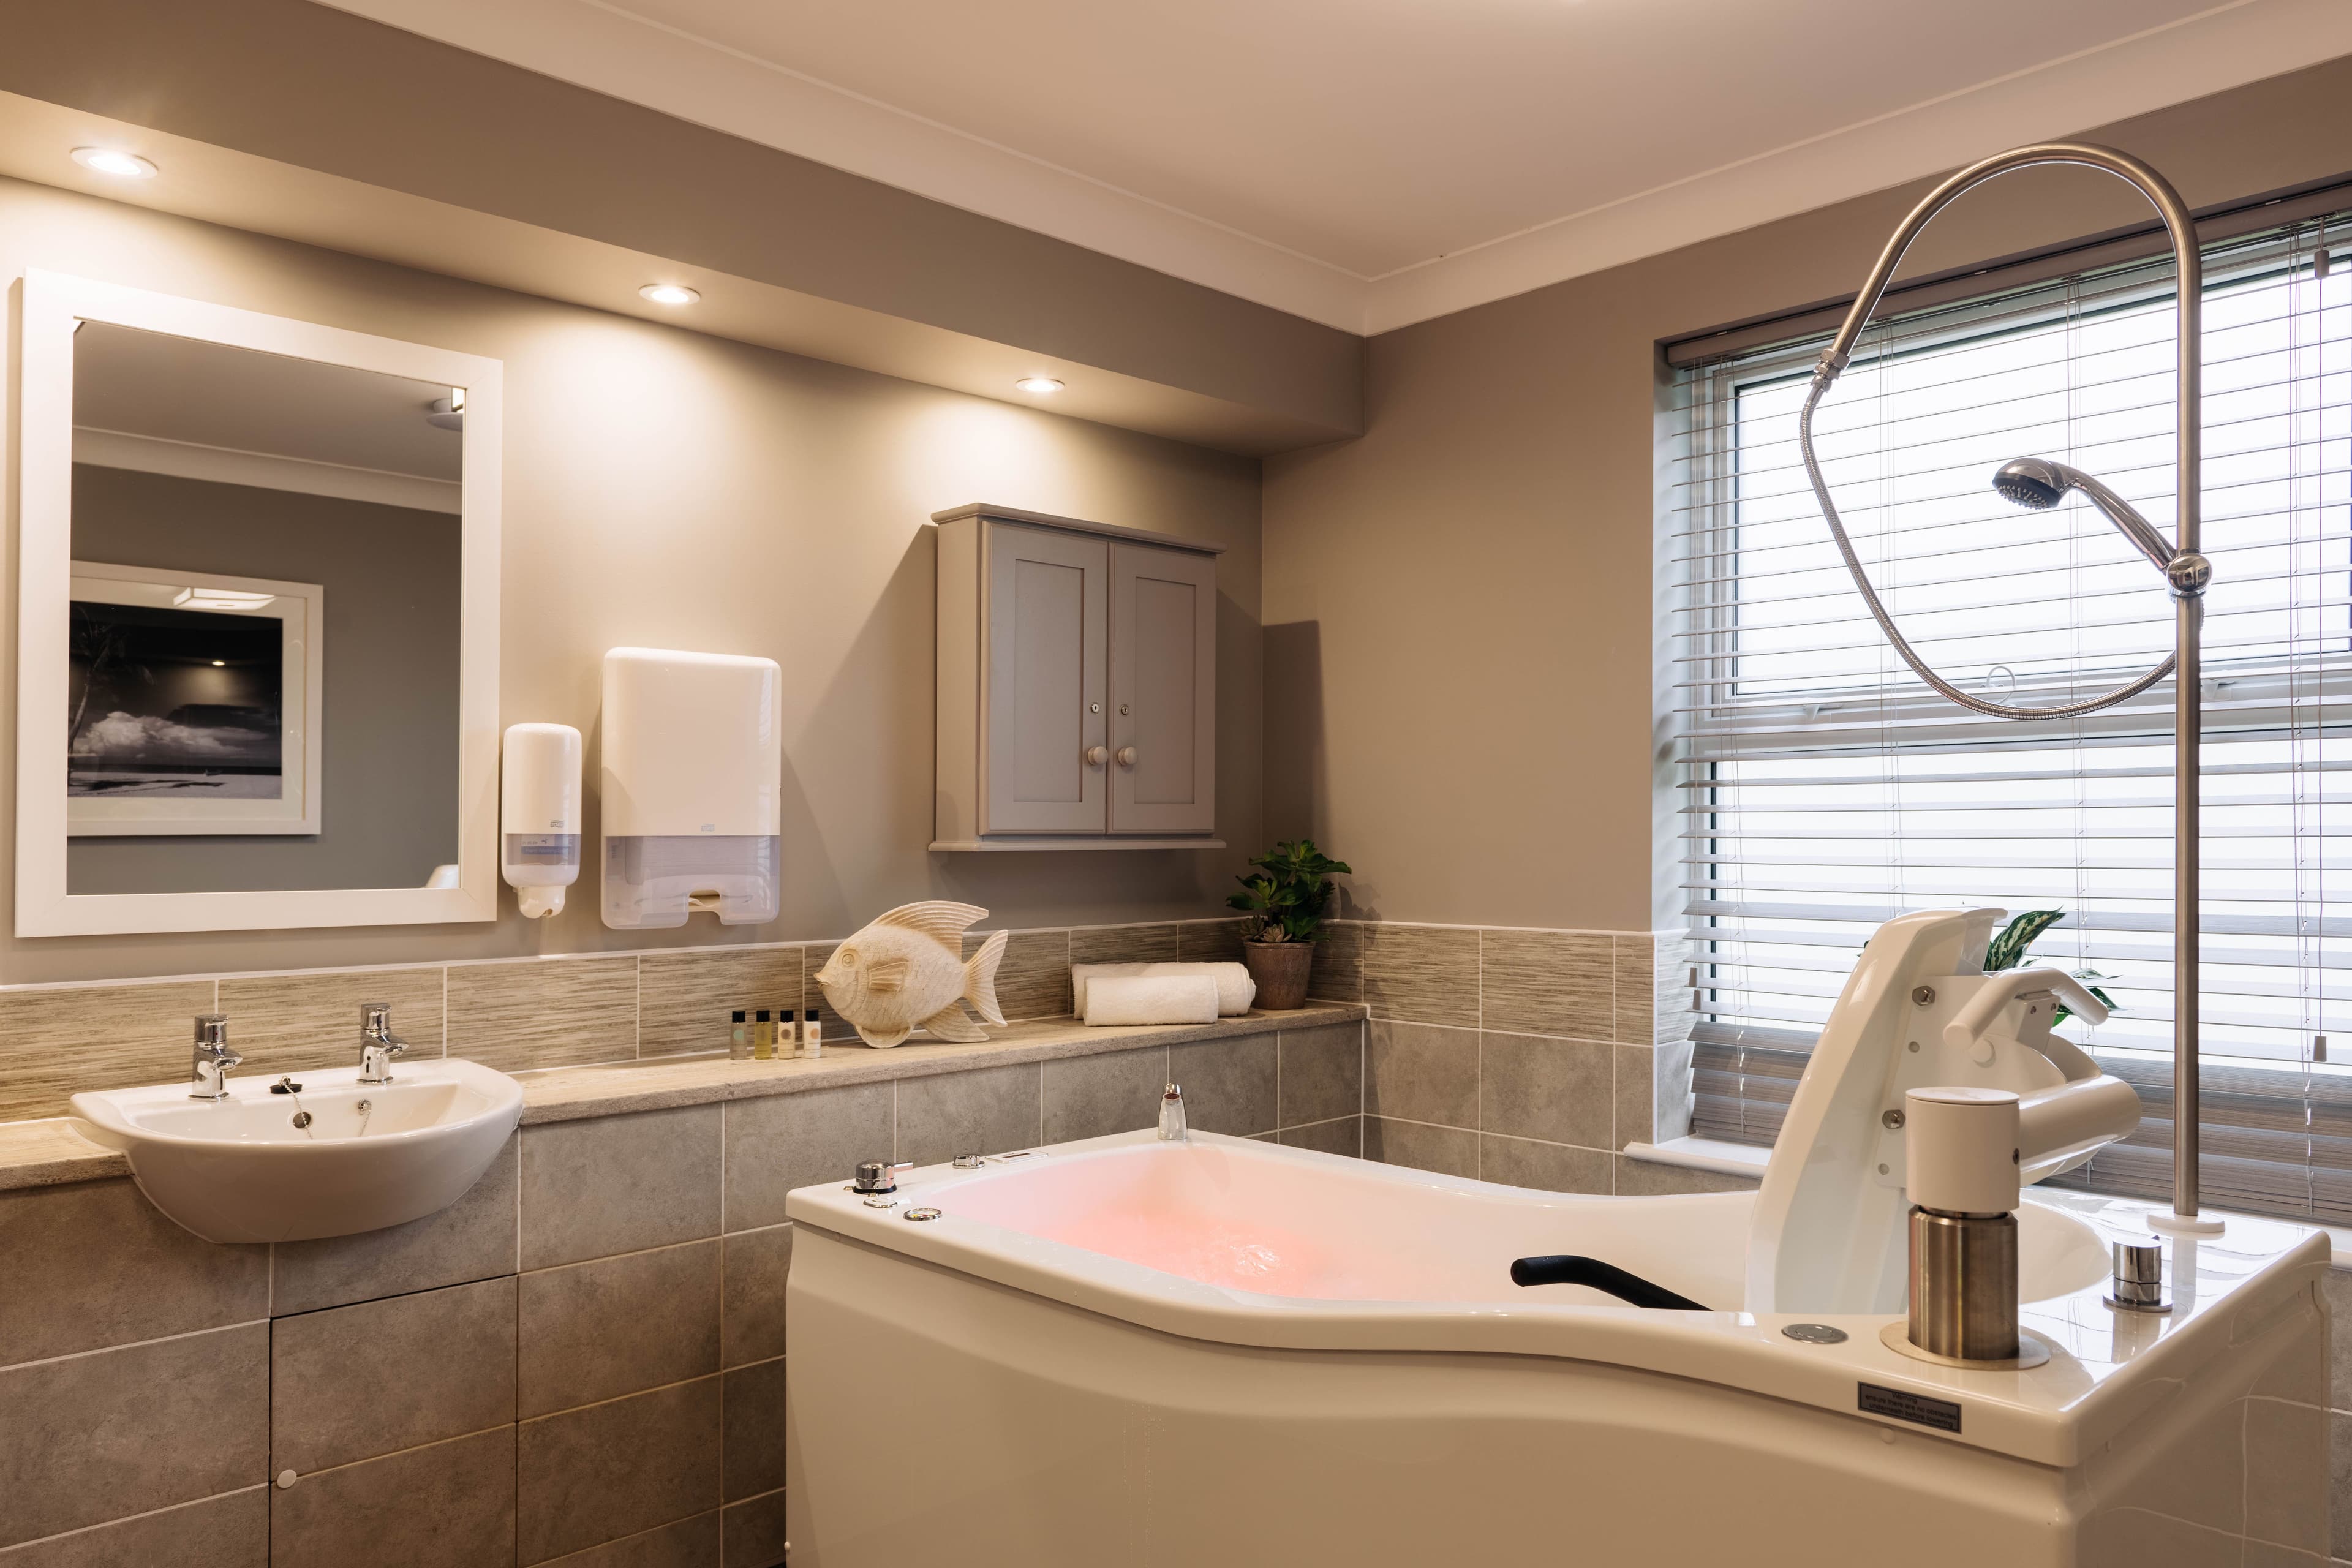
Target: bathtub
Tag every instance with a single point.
(1124, 1351)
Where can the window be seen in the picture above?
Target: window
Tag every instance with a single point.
(1823, 788)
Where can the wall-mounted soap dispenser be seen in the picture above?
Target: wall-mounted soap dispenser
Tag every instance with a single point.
(539, 814)
(693, 777)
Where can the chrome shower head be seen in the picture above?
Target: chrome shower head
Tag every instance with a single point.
(2039, 484)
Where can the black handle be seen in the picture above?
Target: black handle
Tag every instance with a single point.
(1566, 1269)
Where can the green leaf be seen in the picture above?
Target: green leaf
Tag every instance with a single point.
(2008, 946)
(1288, 896)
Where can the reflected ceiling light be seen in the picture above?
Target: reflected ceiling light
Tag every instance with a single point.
(220, 664)
(220, 599)
(1041, 384)
(111, 161)
(670, 293)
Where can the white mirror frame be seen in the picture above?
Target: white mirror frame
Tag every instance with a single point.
(51, 304)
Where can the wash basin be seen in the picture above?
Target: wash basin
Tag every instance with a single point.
(247, 1167)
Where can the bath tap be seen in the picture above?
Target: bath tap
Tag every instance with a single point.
(378, 1044)
(1171, 1116)
(213, 1058)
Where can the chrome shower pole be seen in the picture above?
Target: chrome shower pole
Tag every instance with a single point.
(2188, 573)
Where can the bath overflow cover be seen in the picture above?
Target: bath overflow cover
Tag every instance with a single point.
(1815, 1333)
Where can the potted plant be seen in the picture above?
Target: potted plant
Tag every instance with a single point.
(1285, 899)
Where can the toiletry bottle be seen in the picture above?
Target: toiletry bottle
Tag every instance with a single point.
(811, 1035)
(763, 1036)
(788, 1033)
(738, 1036)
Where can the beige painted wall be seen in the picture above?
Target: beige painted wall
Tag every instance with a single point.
(672, 489)
(1462, 606)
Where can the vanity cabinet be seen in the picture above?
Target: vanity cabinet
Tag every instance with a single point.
(1077, 685)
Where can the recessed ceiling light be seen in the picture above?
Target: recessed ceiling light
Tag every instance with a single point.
(109, 160)
(1038, 383)
(670, 293)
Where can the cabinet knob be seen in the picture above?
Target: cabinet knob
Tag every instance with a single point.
(1097, 755)
(1127, 756)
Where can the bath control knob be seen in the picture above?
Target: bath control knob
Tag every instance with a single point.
(2138, 1283)
(1097, 755)
(878, 1177)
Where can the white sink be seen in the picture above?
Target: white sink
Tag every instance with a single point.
(372, 1155)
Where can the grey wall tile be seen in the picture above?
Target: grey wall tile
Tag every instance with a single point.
(1123, 945)
(605, 1471)
(2339, 1479)
(1640, 1178)
(988, 1111)
(1209, 941)
(94, 1263)
(55, 1043)
(1421, 1073)
(1635, 1117)
(755, 1429)
(1424, 974)
(99, 1437)
(1450, 1150)
(786, 1140)
(1321, 1073)
(2336, 1284)
(684, 997)
(300, 1023)
(230, 1532)
(1032, 978)
(688, 1544)
(1337, 974)
(2287, 1478)
(1634, 963)
(473, 1239)
(1553, 1167)
(1086, 1097)
(1558, 1090)
(619, 1184)
(1342, 1136)
(353, 1383)
(756, 1532)
(589, 1331)
(1229, 1085)
(544, 1013)
(1547, 982)
(451, 1505)
(751, 1294)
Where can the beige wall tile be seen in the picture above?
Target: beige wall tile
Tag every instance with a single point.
(1032, 979)
(1421, 1073)
(359, 1381)
(55, 1043)
(751, 1299)
(1086, 1097)
(619, 1184)
(1634, 963)
(1229, 1085)
(92, 1264)
(100, 1436)
(604, 1471)
(473, 1239)
(1337, 974)
(1551, 1167)
(786, 1140)
(837, 1030)
(689, 1543)
(1423, 974)
(1209, 941)
(1322, 1073)
(451, 1505)
(230, 1531)
(543, 1013)
(621, 1325)
(683, 997)
(984, 1112)
(1123, 945)
(1547, 982)
(1449, 1150)
(298, 1023)
(1561, 1091)
(755, 1430)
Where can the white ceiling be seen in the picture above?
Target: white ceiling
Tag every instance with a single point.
(1372, 163)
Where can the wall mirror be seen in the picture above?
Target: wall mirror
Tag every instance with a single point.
(257, 621)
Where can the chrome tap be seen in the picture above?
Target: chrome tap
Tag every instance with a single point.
(378, 1044)
(1171, 1116)
(213, 1058)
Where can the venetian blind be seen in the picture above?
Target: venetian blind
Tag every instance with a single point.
(1823, 788)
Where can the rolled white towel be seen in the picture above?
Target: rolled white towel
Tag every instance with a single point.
(1151, 999)
(1235, 989)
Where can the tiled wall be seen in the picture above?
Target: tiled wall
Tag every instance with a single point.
(582, 1360)
(1526, 1057)
(509, 1013)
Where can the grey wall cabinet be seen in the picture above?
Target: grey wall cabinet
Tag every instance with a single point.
(1077, 685)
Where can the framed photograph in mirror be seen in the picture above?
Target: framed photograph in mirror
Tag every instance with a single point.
(193, 703)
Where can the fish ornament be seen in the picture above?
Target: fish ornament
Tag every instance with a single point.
(907, 971)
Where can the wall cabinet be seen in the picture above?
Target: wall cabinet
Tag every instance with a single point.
(1077, 685)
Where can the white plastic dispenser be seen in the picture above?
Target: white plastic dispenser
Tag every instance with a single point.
(539, 814)
(693, 778)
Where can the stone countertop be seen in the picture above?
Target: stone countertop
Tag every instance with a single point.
(51, 1151)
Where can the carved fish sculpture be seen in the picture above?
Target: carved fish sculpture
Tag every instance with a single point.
(907, 971)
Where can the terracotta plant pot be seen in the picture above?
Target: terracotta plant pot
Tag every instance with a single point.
(1280, 970)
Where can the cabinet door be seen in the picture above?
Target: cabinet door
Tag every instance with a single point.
(1164, 688)
(1046, 611)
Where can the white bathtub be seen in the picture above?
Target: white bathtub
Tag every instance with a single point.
(1121, 1351)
